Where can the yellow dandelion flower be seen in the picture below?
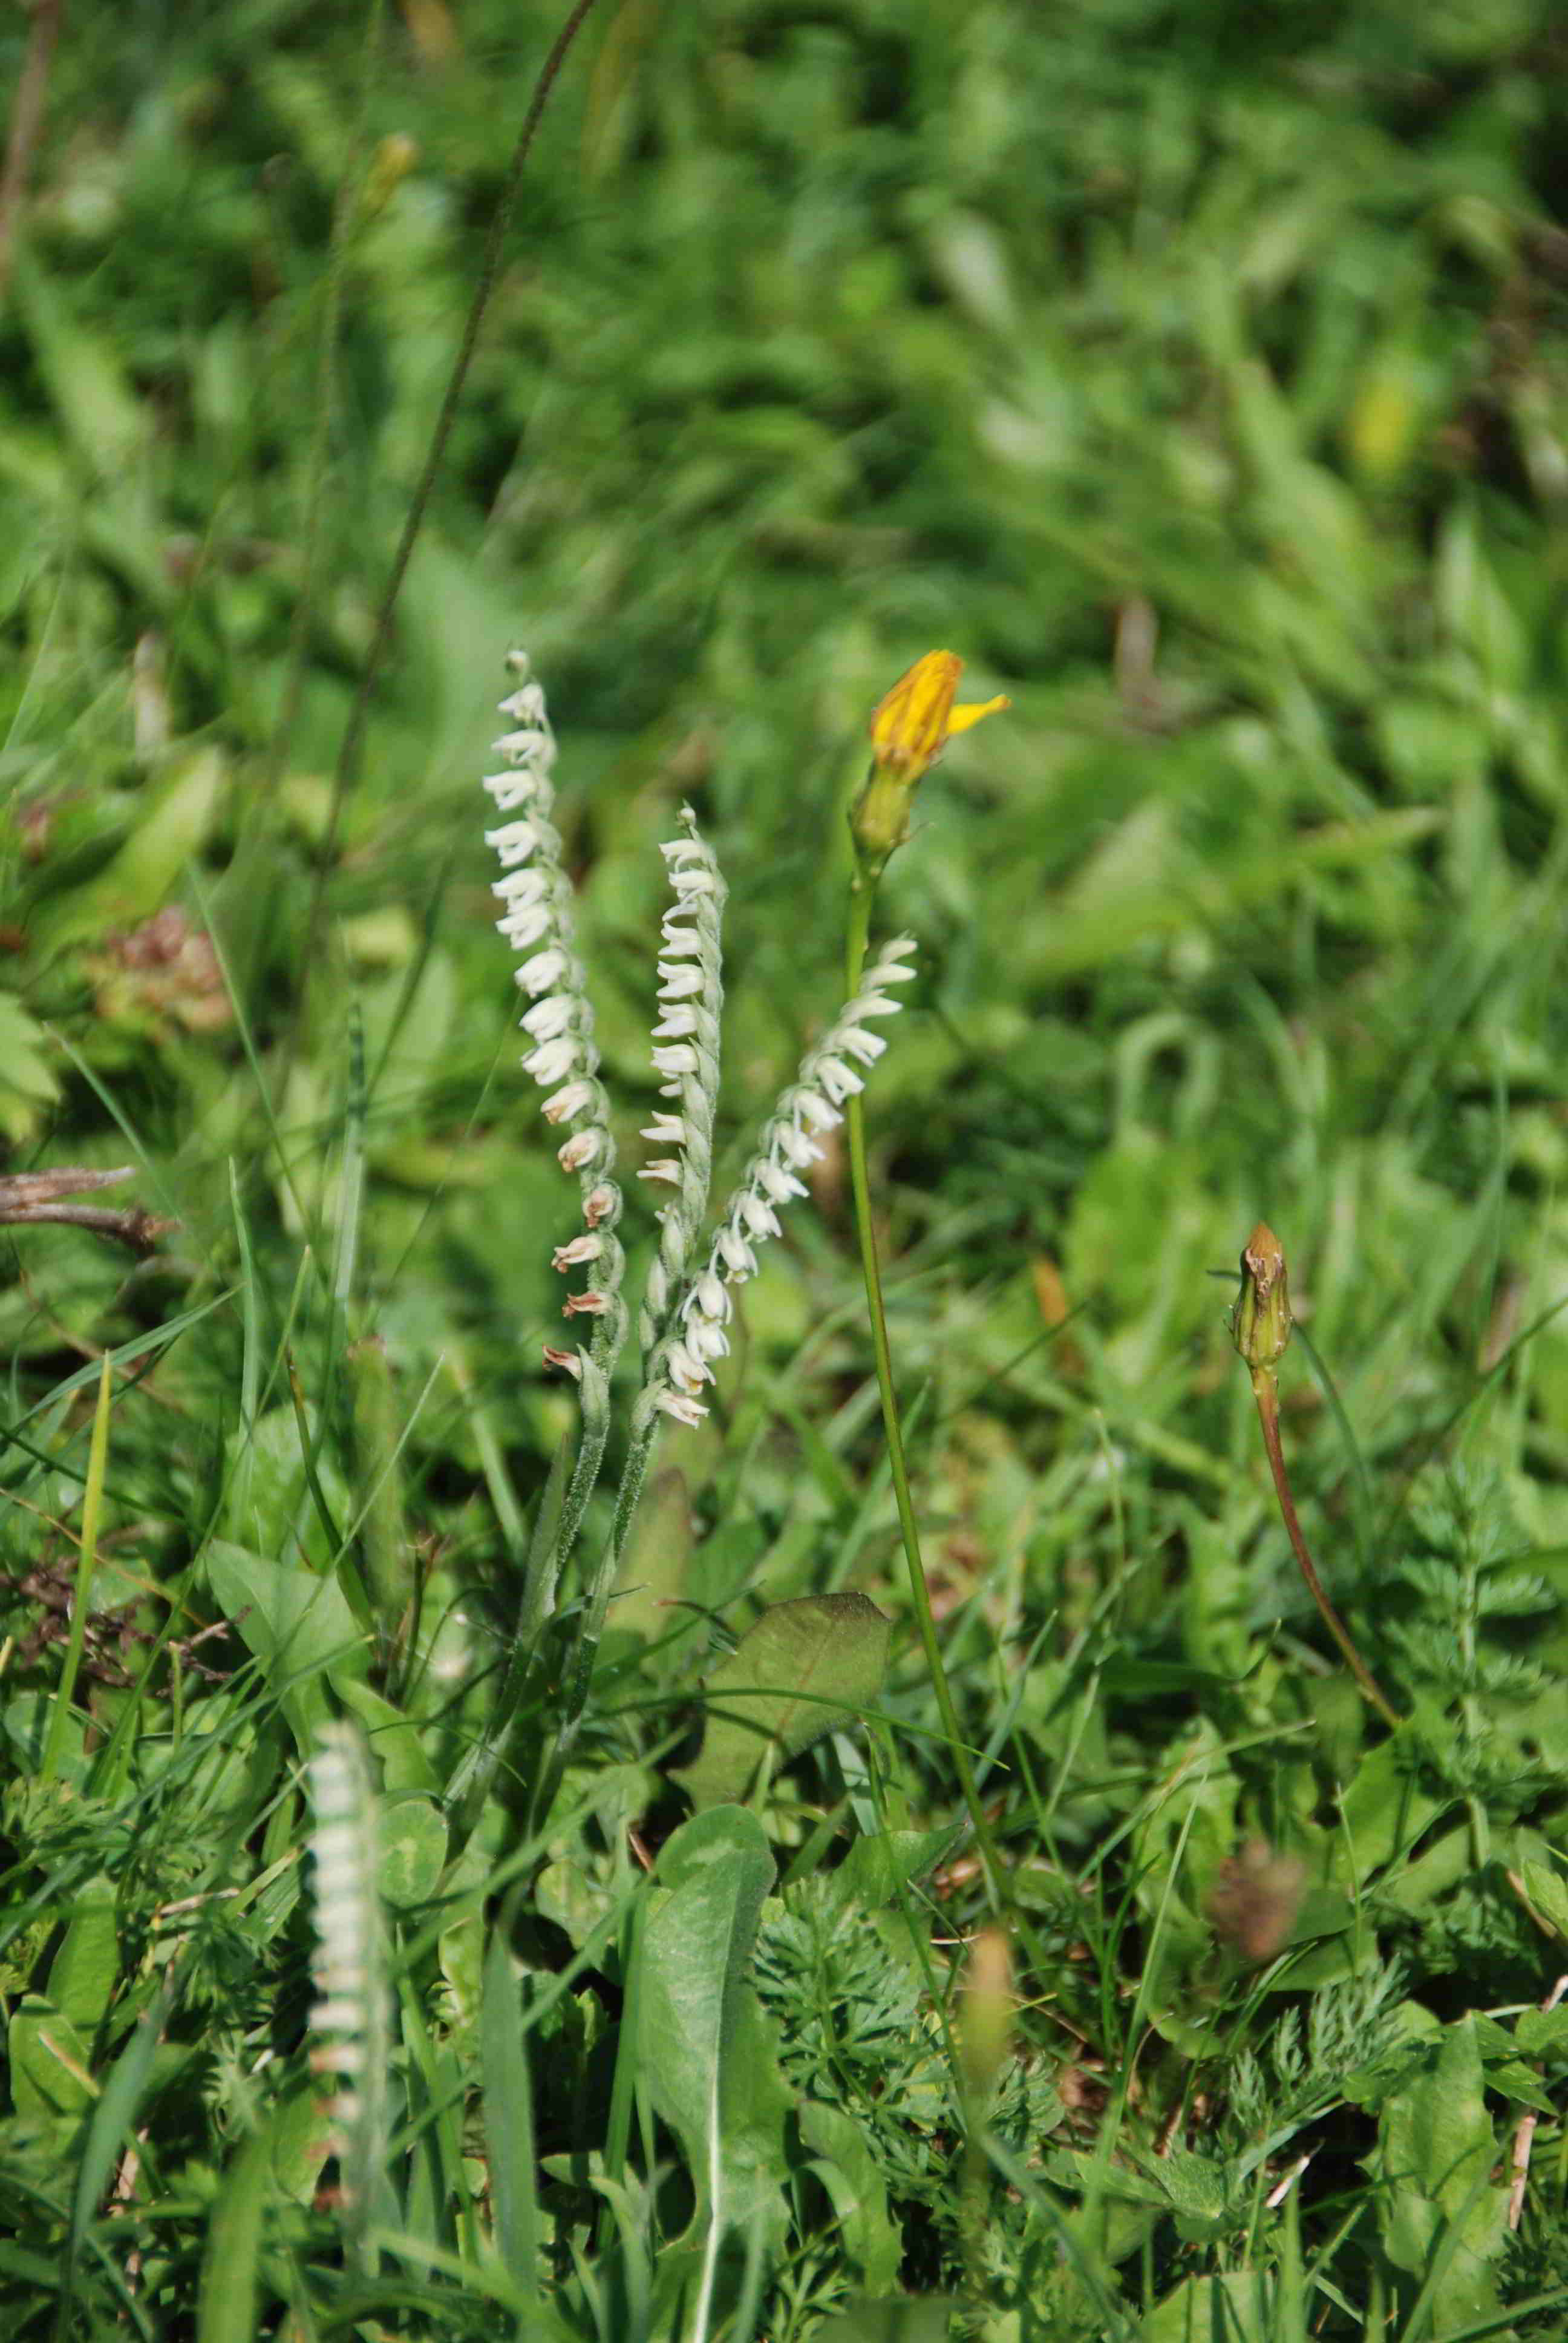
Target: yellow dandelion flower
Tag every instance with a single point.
(910, 727)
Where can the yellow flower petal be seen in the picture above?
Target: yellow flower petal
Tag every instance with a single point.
(910, 727)
(909, 723)
(912, 724)
(962, 717)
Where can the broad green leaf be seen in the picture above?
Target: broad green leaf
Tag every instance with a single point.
(653, 1572)
(803, 1670)
(276, 1514)
(905, 2318)
(394, 1738)
(48, 2061)
(171, 825)
(85, 372)
(1436, 2152)
(1385, 1807)
(879, 1864)
(83, 1972)
(1541, 2033)
(296, 1624)
(28, 1081)
(707, 2061)
(1548, 1892)
(25, 1721)
(1235, 2309)
(301, 2141)
(577, 1903)
(848, 2171)
(413, 1837)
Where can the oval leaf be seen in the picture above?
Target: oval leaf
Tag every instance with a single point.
(803, 1670)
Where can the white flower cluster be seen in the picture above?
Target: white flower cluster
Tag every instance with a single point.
(685, 1058)
(537, 895)
(683, 1025)
(347, 1965)
(813, 1104)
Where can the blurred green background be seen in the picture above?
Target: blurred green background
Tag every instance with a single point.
(1197, 372)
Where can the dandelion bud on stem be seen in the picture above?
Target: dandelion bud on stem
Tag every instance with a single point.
(910, 727)
(1260, 1321)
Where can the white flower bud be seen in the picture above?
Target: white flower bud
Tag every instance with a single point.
(544, 969)
(525, 927)
(760, 1217)
(514, 843)
(675, 1025)
(552, 1060)
(867, 1047)
(549, 1016)
(839, 1081)
(735, 1252)
(583, 1148)
(680, 1404)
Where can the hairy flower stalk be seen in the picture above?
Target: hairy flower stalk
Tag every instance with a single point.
(350, 2018)
(538, 922)
(563, 1060)
(910, 727)
(686, 1053)
(680, 1364)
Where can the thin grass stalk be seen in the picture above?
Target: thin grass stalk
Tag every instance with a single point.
(86, 1563)
(346, 772)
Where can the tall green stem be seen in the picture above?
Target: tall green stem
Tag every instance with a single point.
(862, 900)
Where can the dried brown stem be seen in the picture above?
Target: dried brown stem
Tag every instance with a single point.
(27, 1198)
(1524, 2137)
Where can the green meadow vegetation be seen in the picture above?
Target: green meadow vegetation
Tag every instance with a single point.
(441, 1903)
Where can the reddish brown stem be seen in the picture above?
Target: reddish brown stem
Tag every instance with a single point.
(1266, 1392)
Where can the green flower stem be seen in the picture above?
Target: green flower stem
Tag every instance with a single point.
(1266, 1392)
(645, 1431)
(862, 900)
